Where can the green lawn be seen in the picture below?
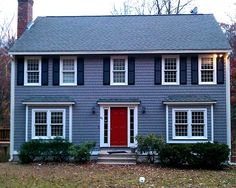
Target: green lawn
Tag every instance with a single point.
(93, 175)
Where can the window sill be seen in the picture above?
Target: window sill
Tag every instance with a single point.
(32, 84)
(170, 84)
(46, 137)
(207, 83)
(68, 84)
(189, 138)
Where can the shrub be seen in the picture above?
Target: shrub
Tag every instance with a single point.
(81, 153)
(200, 155)
(208, 155)
(150, 144)
(44, 150)
(174, 155)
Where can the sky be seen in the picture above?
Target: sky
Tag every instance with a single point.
(8, 8)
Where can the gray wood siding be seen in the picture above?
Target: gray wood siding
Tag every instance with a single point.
(86, 125)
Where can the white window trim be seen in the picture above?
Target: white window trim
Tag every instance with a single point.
(189, 129)
(61, 70)
(26, 72)
(177, 69)
(135, 107)
(111, 70)
(48, 123)
(200, 72)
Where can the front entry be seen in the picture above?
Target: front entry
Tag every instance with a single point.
(119, 126)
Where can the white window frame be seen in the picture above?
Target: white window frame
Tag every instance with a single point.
(177, 69)
(61, 70)
(111, 70)
(48, 111)
(26, 70)
(200, 69)
(189, 126)
(108, 107)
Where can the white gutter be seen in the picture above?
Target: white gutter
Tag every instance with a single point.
(174, 103)
(120, 52)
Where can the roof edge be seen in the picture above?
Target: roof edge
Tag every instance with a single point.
(120, 52)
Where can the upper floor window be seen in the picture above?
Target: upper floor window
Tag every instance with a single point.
(119, 71)
(170, 70)
(207, 70)
(32, 71)
(189, 124)
(68, 71)
(48, 123)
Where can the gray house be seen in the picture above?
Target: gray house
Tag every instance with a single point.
(110, 78)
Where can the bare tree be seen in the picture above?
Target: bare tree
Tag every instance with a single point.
(148, 7)
(6, 41)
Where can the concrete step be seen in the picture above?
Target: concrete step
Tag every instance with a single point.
(116, 159)
(118, 155)
(117, 163)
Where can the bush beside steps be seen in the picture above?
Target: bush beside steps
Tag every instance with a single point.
(54, 150)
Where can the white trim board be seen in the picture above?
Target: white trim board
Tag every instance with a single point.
(118, 103)
(12, 109)
(119, 52)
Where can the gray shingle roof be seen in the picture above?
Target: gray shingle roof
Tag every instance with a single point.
(49, 99)
(188, 98)
(122, 33)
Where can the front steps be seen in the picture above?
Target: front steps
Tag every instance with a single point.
(116, 156)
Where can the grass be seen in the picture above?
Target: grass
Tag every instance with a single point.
(93, 175)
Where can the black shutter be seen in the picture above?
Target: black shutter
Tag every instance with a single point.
(44, 71)
(194, 70)
(80, 71)
(106, 71)
(56, 71)
(158, 70)
(220, 70)
(183, 70)
(131, 71)
(20, 71)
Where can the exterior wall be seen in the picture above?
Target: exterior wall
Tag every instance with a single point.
(85, 124)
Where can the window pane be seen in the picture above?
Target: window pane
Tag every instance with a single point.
(106, 126)
(207, 63)
(68, 77)
(40, 117)
(119, 64)
(33, 77)
(170, 63)
(197, 117)
(198, 130)
(41, 130)
(131, 125)
(57, 117)
(181, 117)
(170, 76)
(32, 64)
(181, 130)
(57, 130)
(119, 77)
(68, 64)
(207, 76)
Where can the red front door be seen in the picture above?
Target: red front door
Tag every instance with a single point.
(119, 127)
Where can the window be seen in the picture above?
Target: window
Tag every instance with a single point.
(32, 71)
(105, 126)
(170, 70)
(207, 70)
(48, 123)
(68, 71)
(189, 124)
(119, 71)
(131, 122)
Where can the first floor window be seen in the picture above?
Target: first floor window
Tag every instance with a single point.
(48, 123)
(170, 69)
(189, 123)
(32, 71)
(207, 68)
(119, 71)
(68, 71)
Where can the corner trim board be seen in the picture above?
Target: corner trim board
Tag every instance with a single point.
(12, 109)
